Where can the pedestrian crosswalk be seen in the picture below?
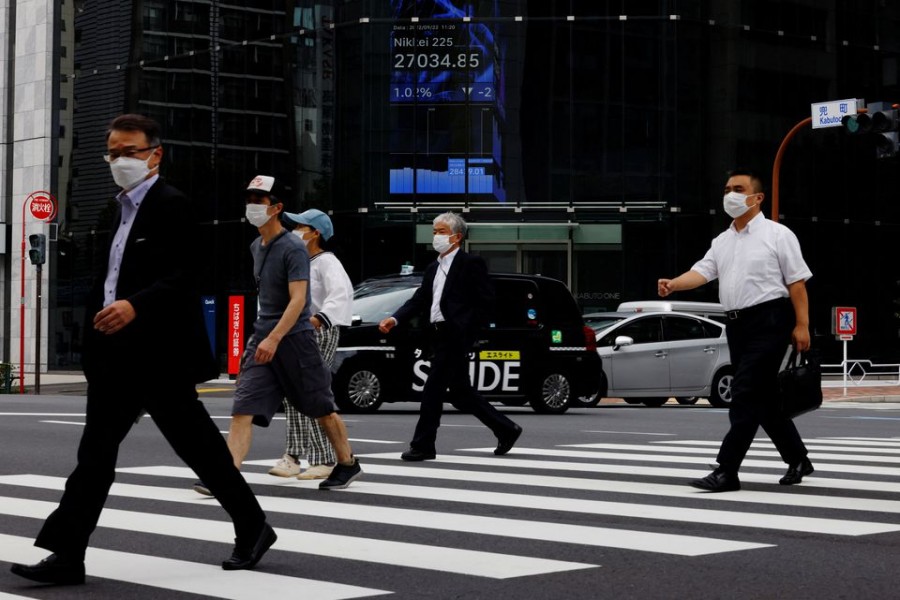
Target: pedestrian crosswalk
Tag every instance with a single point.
(470, 514)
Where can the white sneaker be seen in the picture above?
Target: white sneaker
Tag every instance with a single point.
(286, 467)
(316, 472)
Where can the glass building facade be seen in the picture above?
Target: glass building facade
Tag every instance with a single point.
(586, 140)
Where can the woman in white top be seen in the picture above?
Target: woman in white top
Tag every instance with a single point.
(331, 298)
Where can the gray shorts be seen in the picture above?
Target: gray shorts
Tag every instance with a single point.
(296, 373)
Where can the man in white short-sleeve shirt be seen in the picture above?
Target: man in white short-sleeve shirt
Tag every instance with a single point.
(762, 286)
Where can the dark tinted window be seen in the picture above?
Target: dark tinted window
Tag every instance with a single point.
(685, 328)
(517, 304)
(712, 331)
(642, 331)
(561, 305)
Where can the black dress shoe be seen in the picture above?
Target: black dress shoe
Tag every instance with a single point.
(53, 569)
(796, 473)
(414, 455)
(718, 481)
(246, 557)
(505, 443)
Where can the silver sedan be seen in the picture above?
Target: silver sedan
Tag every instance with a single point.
(650, 357)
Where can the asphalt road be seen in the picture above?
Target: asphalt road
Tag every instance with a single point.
(590, 504)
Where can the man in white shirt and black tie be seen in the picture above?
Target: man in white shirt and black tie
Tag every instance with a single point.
(456, 295)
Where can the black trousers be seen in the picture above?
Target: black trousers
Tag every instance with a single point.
(757, 341)
(183, 420)
(450, 370)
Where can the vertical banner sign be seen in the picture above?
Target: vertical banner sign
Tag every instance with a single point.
(236, 333)
(209, 315)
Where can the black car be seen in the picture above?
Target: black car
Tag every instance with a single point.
(536, 348)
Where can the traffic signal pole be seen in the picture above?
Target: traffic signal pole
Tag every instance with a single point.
(37, 335)
(22, 310)
(779, 156)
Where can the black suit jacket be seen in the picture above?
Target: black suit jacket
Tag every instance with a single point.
(466, 302)
(167, 339)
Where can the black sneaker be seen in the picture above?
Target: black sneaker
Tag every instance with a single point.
(201, 488)
(342, 476)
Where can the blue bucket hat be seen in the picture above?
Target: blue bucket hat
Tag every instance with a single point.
(315, 218)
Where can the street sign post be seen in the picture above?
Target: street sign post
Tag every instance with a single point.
(843, 327)
(42, 207)
(843, 321)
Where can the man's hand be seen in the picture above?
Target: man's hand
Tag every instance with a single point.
(387, 324)
(664, 287)
(114, 317)
(315, 322)
(800, 338)
(265, 352)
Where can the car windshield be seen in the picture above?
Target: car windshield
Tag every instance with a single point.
(376, 304)
(601, 323)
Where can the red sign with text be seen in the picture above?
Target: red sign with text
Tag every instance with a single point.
(236, 331)
(42, 206)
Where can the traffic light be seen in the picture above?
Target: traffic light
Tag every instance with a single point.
(857, 124)
(886, 123)
(881, 118)
(38, 252)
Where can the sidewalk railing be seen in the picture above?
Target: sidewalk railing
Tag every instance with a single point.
(861, 373)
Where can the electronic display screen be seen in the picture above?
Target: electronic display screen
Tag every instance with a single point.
(445, 105)
(441, 63)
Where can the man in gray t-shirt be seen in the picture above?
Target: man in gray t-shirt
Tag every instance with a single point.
(282, 358)
(275, 264)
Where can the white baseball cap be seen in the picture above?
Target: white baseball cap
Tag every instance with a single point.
(262, 183)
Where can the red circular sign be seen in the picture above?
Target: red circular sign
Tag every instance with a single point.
(42, 206)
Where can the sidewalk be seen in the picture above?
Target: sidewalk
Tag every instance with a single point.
(832, 391)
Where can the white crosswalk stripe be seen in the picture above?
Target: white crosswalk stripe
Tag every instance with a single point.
(544, 493)
(483, 564)
(186, 577)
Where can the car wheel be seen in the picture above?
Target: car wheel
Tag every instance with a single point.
(553, 396)
(586, 401)
(359, 390)
(720, 396)
(688, 400)
(654, 402)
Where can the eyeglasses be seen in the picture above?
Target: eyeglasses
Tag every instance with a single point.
(127, 153)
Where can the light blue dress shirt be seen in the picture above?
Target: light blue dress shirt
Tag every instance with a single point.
(130, 202)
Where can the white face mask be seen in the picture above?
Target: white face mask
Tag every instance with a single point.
(441, 243)
(300, 235)
(127, 172)
(735, 204)
(257, 214)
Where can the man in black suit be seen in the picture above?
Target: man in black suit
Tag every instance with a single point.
(455, 294)
(145, 299)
